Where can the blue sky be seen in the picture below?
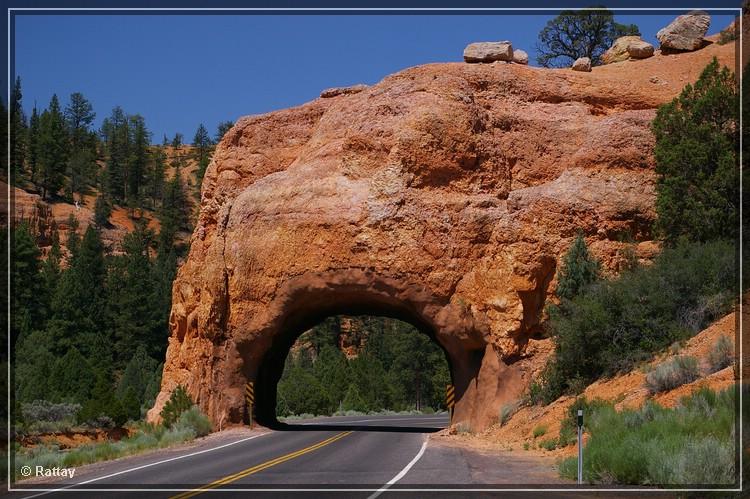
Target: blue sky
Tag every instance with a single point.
(181, 70)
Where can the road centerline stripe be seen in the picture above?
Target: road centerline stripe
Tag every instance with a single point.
(260, 467)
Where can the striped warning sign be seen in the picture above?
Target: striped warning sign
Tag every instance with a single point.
(450, 396)
(250, 393)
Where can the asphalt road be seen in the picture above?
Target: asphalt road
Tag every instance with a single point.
(378, 453)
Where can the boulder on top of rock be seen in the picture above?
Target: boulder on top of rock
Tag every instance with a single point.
(686, 32)
(335, 91)
(639, 49)
(520, 56)
(582, 64)
(488, 52)
(619, 50)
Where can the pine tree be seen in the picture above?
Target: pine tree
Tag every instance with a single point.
(17, 130)
(102, 211)
(579, 269)
(155, 177)
(138, 374)
(173, 213)
(222, 129)
(202, 145)
(696, 162)
(177, 142)
(116, 136)
(79, 303)
(72, 378)
(138, 163)
(27, 283)
(135, 321)
(53, 148)
(353, 400)
(79, 115)
(33, 146)
(33, 366)
(179, 402)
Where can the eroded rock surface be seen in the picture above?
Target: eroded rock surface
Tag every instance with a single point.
(444, 195)
(686, 32)
(488, 52)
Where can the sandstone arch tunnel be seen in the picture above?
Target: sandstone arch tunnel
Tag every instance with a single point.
(444, 195)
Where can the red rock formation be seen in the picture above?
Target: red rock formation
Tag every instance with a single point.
(445, 195)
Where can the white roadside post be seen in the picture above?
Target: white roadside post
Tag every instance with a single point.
(580, 446)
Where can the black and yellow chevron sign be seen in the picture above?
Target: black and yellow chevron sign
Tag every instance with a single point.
(450, 396)
(250, 393)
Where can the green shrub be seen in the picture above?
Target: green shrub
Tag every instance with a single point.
(675, 372)
(613, 325)
(463, 428)
(538, 431)
(721, 354)
(194, 420)
(548, 444)
(507, 411)
(579, 269)
(179, 402)
(692, 444)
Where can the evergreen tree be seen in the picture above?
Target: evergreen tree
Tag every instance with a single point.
(179, 402)
(135, 321)
(222, 129)
(72, 378)
(138, 164)
(173, 213)
(53, 148)
(177, 142)
(33, 365)
(17, 129)
(79, 115)
(33, 146)
(202, 145)
(81, 168)
(102, 403)
(353, 400)
(696, 164)
(138, 375)
(51, 270)
(332, 371)
(26, 280)
(102, 211)
(116, 136)
(79, 304)
(155, 177)
(131, 405)
(579, 269)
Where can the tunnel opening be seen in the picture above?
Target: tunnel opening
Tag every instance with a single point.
(353, 365)
(352, 361)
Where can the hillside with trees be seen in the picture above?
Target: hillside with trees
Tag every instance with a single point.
(93, 289)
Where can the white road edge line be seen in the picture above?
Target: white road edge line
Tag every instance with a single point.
(145, 466)
(440, 418)
(401, 473)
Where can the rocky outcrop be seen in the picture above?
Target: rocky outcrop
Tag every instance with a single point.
(444, 195)
(520, 56)
(336, 91)
(488, 52)
(686, 32)
(618, 52)
(640, 49)
(581, 64)
(627, 47)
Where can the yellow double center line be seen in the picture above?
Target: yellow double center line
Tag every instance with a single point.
(260, 467)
